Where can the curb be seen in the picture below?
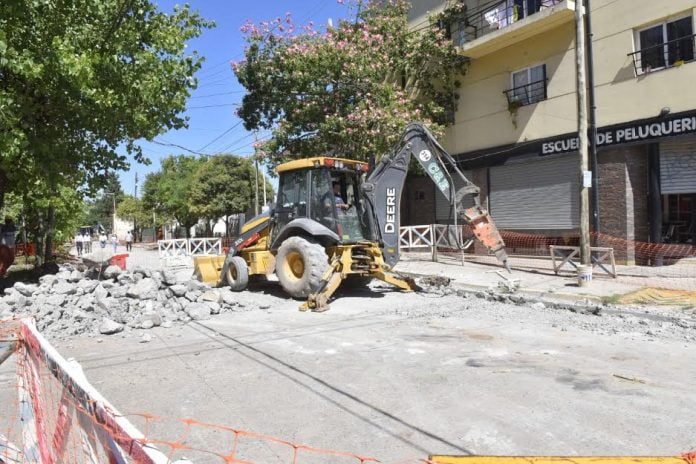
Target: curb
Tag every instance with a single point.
(540, 295)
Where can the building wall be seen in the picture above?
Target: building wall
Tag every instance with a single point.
(623, 192)
(483, 119)
(122, 228)
(418, 202)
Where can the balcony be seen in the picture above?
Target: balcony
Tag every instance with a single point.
(526, 94)
(499, 24)
(669, 54)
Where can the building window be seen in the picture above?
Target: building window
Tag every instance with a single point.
(664, 45)
(528, 86)
(420, 195)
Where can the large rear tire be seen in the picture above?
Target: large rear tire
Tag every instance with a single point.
(237, 274)
(300, 266)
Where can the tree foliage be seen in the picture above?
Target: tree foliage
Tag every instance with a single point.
(100, 210)
(224, 185)
(31, 208)
(169, 189)
(133, 209)
(350, 90)
(79, 79)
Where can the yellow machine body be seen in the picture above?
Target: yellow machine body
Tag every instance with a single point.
(208, 269)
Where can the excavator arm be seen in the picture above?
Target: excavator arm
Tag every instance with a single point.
(384, 185)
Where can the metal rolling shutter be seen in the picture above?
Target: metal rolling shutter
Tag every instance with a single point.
(541, 194)
(442, 206)
(678, 166)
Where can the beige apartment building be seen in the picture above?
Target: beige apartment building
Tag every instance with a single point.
(515, 128)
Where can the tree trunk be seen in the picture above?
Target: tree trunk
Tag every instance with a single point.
(227, 225)
(3, 187)
(50, 223)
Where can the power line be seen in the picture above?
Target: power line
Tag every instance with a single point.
(164, 143)
(220, 136)
(217, 94)
(212, 106)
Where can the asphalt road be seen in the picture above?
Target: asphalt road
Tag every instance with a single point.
(399, 376)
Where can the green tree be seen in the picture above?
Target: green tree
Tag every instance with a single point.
(224, 185)
(79, 79)
(133, 209)
(168, 190)
(100, 210)
(352, 89)
(30, 209)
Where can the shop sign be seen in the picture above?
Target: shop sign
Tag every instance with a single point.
(626, 133)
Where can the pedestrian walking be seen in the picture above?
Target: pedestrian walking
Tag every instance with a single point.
(129, 241)
(86, 243)
(114, 241)
(102, 240)
(79, 244)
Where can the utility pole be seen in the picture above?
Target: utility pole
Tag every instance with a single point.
(135, 195)
(585, 173)
(263, 177)
(256, 178)
(592, 118)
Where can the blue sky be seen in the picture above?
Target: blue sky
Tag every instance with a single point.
(210, 107)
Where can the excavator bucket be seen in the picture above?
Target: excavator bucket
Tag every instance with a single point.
(208, 269)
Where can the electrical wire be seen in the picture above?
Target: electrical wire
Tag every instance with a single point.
(217, 94)
(221, 135)
(212, 106)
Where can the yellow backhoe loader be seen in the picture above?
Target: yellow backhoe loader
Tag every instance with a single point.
(338, 219)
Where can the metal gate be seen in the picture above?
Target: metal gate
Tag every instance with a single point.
(539, 194)
(678, 166)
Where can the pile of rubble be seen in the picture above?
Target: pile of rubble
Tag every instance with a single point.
(72, 302)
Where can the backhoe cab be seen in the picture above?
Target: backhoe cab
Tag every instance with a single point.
(335, 221)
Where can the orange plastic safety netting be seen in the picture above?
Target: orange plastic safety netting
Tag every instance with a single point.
(633, 262)
(50, 414)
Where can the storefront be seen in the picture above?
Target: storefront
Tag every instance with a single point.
(678, 189)
(534, 187)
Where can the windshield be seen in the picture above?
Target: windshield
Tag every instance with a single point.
(337, 204)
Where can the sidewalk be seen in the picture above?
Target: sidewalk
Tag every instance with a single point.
(536, 276)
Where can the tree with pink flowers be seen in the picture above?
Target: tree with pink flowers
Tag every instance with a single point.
(351, 90)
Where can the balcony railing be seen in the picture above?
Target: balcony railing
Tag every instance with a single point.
(665, 55)
(526, 94)
(494, 16)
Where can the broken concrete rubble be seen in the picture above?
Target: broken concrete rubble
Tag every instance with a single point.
(139, 299)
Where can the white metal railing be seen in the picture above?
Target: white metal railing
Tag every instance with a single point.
(205, 246)
(416, 237)
(432, 236)
(173, 247)
(181, 247)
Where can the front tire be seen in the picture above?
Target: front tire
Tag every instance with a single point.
(300, 266)
(237, 274)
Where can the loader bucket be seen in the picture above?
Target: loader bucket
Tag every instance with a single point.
(208, 269)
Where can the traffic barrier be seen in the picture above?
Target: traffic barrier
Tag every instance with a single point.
(189, 247)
